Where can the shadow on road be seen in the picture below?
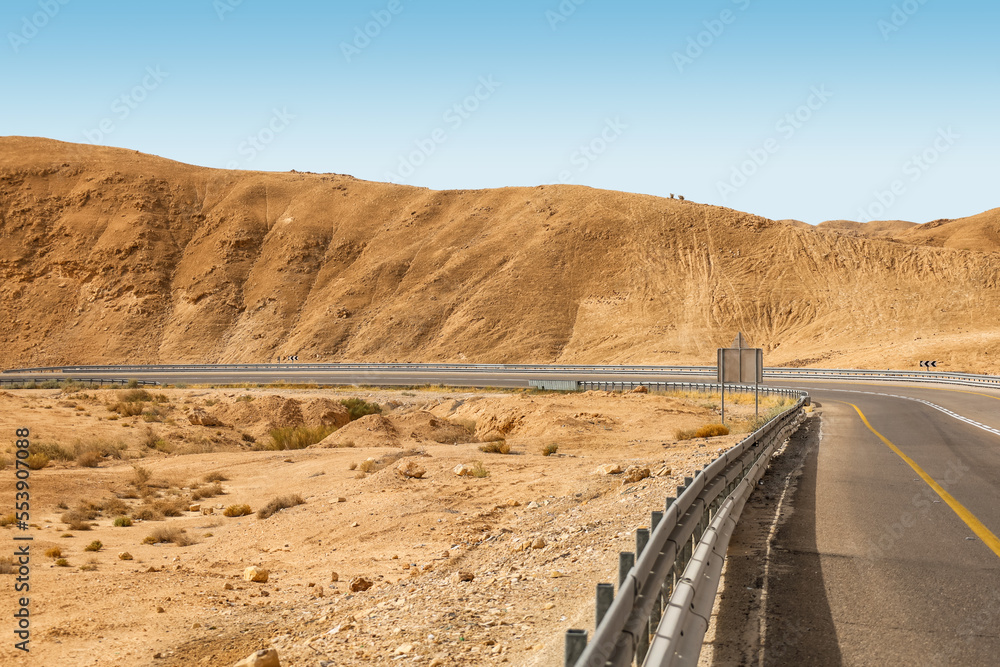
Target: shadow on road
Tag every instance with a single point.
(796, 624)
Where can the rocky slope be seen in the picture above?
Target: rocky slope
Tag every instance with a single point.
(110, 255)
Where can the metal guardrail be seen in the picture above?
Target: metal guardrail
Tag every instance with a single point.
(100, 381)
(561, 369)
(668, 585)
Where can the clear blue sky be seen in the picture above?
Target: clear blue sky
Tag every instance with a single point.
(687, 97)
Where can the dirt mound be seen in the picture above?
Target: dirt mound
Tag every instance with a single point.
(264, 413)
(423, 426)
(369, 431)
(876, 228)
(114, 256)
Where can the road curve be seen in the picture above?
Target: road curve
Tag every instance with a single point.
(883, 549)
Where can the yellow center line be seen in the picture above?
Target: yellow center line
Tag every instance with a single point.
(981, 531)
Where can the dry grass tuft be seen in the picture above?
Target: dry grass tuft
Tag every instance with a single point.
(550, 449)
(278, 504)
(237, 510)
(495, 447)
(298, 437)
(169, 534)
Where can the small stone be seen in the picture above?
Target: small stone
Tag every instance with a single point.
(635, 474)
(609, 469)
(556, 574)
(262, 658)
(463, 470)
(410, 470)
(355, 524)
(538, 543)
(341, 499)
(403, 649)
(550, 605)
(227, 587)
(464, 576)
(199, 417)
(513, 503)
(334, 576)
(196, 626)
(194, 508)
(640, 390)
(207, 510)
(533, 505)
(359, 584)
(160, 610)
(256, 574)
(124, 556)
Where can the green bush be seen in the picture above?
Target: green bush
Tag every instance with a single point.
(237, 510)
(94, 546)
(550, 449)
(37, 461)
(358, 408)
(495, 447)
(123, 522)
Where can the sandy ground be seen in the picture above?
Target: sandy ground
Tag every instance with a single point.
(534, 536)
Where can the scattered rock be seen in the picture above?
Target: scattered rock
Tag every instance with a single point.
(256, 574)
(538, 543)
(227, 587)
(464, 576)
(556, 574)
(404, 649)
(635, 474)
(513, 503)
(609, 469)
(463, 470)
(207, 510)
(194, 508)
(549, 605)
(160, 610)
(640, 390)
(199, 417)
(334, 576)
(533, 505)
(262, 658)
(359, 584)
(341, 500)
(410, 469)
(124, 556)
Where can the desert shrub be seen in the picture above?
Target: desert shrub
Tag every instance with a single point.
(479, 470)
(126, 409)
(89, 458)
(140, 476)
(711, 431)
(495, 447)
(54, 451)
(246, 437)
(298, 437)
(214, 477)
(53, 552)
(237, 510)
(88, 567)
(62, 562)
(8, 520)
(114, 507)
(153, 414)
(135, 396)
(146, 513)
(94, 546)
(209, 491)
(245, 397)
(368, 465)
(168, 534)
(278, 504)
(174, 507)
(122, 522)
(358, 408)
(211, 401)
(78, 524)
(37, 461)
(550, 449)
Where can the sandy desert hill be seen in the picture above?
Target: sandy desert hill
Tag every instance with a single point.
(109, 255)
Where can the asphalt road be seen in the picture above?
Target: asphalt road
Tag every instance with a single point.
(869, 564)
(857, 550)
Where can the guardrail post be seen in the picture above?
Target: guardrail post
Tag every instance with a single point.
(626, 561)
(576, 644)
(654, 520)
(641, 540)
(605, 596)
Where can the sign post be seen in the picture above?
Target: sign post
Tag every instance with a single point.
(740, 364)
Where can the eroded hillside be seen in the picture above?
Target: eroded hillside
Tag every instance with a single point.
(109, 255)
